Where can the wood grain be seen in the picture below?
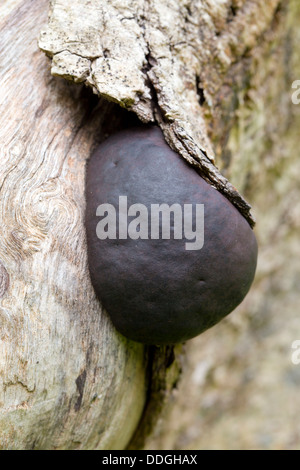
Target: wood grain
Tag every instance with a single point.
(67, 379)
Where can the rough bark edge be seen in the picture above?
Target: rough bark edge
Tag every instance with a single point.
(225, 37)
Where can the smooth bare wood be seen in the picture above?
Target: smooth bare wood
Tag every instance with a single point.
(67, 379)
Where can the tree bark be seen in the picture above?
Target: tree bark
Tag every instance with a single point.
(239, 388)
(160, 60)
(68, 380)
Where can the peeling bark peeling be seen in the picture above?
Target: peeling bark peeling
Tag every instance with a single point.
(155, 58)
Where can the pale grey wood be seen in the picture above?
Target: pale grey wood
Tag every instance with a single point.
(67, 379)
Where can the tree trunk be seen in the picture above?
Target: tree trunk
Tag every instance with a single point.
(67, 380)
(209, 73)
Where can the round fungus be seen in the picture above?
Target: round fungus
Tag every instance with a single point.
(169, 255)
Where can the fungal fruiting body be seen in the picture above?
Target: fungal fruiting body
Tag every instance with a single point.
(160, 283)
